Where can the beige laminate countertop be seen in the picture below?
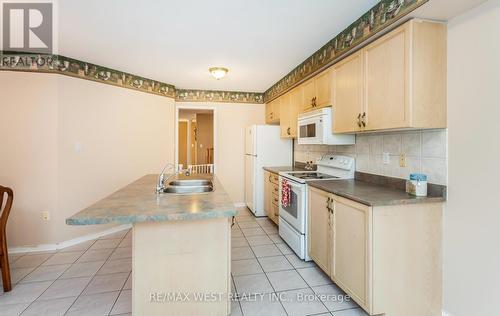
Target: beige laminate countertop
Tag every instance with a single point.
(138, 202)
(371, 194)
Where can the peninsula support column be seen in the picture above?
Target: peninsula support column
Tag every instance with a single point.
(182, 267)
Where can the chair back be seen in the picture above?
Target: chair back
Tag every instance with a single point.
(4, 213)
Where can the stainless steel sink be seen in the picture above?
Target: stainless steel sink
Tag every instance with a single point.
(185, 189)
(193, 182)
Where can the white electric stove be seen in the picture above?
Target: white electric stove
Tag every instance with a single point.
(293, 218)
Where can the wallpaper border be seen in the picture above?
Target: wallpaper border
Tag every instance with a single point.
(378, 18)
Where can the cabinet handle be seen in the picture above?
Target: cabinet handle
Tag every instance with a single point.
(359, 119)
(288, 131)
(269, 178)
(313, 102)
(363, 119)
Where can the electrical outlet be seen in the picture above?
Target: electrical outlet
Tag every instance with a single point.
(402, 160)
(45, 215)
(386, 158)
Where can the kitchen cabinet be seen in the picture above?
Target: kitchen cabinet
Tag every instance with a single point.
(323, 88)
(401, 83)
(273, 111)
(317, 91)
(386, 258)
(319, 226)
(289, 112)
(271, 196)
(348, 94)
(350, 259)
(308, 93)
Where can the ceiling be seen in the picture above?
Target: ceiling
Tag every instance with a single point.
(176, 41)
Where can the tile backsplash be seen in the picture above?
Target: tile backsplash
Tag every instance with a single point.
(425, 151)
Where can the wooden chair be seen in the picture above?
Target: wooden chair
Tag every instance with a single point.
(4, 255)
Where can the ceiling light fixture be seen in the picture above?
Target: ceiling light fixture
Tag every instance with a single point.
(218, 72)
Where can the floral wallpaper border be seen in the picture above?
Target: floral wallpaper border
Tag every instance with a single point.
(71, 67)
(375, 20)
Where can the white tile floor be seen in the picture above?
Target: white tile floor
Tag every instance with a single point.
(94, 278)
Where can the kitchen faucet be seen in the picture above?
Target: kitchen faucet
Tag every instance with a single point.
(161, 178)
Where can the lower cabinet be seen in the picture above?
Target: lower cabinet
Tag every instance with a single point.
(319, 226)
(351, 239)
(386, 258)
(271, 196)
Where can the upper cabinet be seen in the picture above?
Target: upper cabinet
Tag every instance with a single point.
(396, 82)
(317, 91)
(289, 112)
(348, 94)
(273, 111)
(323, 88)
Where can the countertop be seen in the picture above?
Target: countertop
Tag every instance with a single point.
(371, 194)
(277, 170)
(138, 202)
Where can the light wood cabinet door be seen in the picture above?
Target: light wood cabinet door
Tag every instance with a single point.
(273, 111)
(319, 230)
(267, 194)
(285, 115)
(295, 99)
(348, 88)
(324, 89)
(269, 110)
(308, 94)
(351, 239)
(387, 65)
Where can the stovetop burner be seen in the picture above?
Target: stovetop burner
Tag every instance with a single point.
(313, 176)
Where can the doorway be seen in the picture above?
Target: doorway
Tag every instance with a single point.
(195, 140)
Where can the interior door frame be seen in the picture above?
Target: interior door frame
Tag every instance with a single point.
(194, 106)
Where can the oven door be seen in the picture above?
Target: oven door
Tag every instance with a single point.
(295, 213)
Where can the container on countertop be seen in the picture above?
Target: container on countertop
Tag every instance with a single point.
(417, 184)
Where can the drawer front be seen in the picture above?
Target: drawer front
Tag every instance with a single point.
(275, 200)
(274, 178)
(275, 188)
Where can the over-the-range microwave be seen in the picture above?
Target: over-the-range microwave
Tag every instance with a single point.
(315, 128)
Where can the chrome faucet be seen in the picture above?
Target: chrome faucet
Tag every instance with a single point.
(161, 178)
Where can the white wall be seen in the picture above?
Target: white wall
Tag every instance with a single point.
(28, 152)
(231, 120)
(472, 214)
(123, 134)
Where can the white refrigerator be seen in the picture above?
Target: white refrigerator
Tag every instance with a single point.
(263, 148)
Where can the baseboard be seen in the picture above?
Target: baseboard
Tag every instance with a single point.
(71, 242)
(240, 204)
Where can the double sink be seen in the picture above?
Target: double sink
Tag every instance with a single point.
(193, 186)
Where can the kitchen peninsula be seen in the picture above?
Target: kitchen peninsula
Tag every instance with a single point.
(181, 245)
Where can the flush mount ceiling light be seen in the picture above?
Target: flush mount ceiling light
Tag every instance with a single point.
(218, 72)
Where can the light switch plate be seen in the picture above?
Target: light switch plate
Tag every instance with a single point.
(386, 158)
(45, 215)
